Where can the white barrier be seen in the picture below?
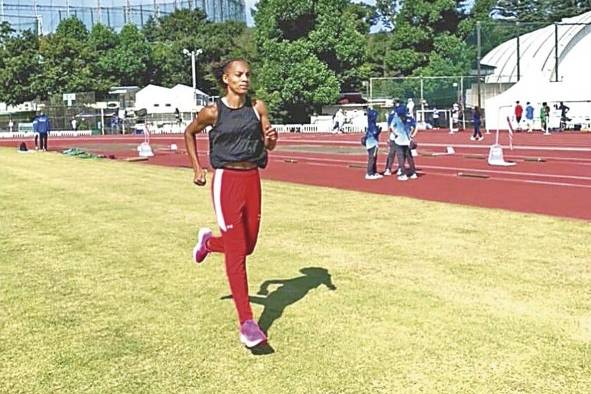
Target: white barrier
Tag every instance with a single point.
(57, 133)
(286, 128)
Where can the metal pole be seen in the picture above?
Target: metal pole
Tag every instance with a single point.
(463, 101)
(2, 12)
(556, 51)
(518, 54)
(194, 78)
(371, 90)
(68, 7)
(128, 11)
(422, 102)
(103, 121)
(98, 11)
(479, 47)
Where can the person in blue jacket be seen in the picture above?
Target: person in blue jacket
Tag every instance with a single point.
(42, 126)
(529, 117)
(398, 114)
(404, 132)
(477, 123)
(372, 137)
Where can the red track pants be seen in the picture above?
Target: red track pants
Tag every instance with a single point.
(237, 204)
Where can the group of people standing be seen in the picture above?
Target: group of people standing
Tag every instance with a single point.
(544, 116)
(401, 132)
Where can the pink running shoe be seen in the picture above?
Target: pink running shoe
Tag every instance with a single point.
(251, 335)
(200, 251)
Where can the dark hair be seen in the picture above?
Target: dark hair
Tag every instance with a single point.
(221, 68)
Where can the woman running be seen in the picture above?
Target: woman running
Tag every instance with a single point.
(238, 144)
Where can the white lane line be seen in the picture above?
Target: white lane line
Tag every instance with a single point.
(498, 179)
(455, 145)
(532, 174)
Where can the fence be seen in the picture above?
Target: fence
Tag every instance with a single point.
(113, 13)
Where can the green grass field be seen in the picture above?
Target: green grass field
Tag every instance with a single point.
(98, 292)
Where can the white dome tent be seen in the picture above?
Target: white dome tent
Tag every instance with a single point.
(537, 82)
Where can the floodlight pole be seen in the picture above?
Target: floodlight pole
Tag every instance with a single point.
(422, 101)
(193, 55)
(518, 54)
(556, 51)
(479, 48)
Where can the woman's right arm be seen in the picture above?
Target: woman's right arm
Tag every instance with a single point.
(206, 117)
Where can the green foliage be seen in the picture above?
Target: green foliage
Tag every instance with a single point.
(189, 29)
(20, 65)
(309, 51)
(424, 37)
(102, 43)
(66, 59)
(131, 60)
(292, 89)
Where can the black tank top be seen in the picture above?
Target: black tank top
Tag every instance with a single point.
(237, 136)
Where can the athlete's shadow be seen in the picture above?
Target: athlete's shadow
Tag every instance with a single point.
(289, 292)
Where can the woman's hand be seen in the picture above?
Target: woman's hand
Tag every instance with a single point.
(199, 179)
(271, 136)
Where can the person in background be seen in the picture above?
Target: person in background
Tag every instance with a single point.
(518, 115)
(10, 125)
(544, 116)
(410, 107)
(338, 121)
(36, 133)
(529, 116)
(42, 126)
(455, 115)
(391, 144)
(435, 118)
(476, 121)
(402, 139)
(74, 124)
(411, 127)
(372, 137)
(563, 118)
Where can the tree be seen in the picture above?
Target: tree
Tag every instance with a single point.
(19, 65)
(190, 29)
(102, 43)
(308, 51)
(66, 60)
(425, 37)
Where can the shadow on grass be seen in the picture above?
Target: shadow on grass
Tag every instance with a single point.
(289, 292)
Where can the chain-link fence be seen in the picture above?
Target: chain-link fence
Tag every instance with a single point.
(47, 14)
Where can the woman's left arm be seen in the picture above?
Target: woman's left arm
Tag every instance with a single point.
(270, 135)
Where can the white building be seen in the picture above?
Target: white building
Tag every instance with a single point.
(537, 80)
(160, 100)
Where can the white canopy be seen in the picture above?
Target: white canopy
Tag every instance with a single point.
(538, 73)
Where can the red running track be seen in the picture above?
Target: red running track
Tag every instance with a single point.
(552, 175)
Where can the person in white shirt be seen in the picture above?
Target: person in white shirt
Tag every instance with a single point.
(410, 106)
(339, 121)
